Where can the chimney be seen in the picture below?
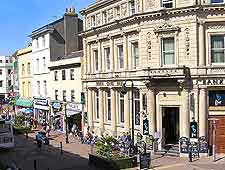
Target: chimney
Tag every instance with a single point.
(70, 11)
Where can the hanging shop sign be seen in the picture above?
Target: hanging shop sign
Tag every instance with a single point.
(193, 129)
(145, 127)
(184, 145)
(73, 108)
(203, 144)
(56, 105)
(42, 102)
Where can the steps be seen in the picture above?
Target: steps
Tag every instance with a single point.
(169, 150)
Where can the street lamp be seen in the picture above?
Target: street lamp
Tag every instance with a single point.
(67, 139)
(124, 90)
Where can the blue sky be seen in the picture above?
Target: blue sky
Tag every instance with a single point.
(20, 17)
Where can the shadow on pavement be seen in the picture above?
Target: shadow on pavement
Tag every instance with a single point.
(27, 157)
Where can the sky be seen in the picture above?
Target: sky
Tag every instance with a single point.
(20, 17)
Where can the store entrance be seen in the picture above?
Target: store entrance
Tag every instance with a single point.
(170, 125)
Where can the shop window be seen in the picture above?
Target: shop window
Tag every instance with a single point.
(217, 98)
(217, 49)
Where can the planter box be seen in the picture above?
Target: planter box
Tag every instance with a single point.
(101, 163)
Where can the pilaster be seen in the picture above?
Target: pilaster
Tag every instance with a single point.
(203, 114)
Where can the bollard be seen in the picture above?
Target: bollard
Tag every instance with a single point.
(35, 164)
(26, 135)
(190, 156)
(61, 148)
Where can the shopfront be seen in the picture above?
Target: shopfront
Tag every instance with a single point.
(41, 110)
(57, 116)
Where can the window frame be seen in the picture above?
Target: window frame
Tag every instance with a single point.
(23, 70)
(28, 68)
(96, 59)
(64, 95)
(119, 57)
(135, 59)
(63, 74)
(162, 58)
(169, 2)
(121, 113)
(107, 58)
(211, 49)
(108, 103)
(72, 95)
(45, 88)
(72, 74)
(56, 94)
(1, 83)
(39, 87)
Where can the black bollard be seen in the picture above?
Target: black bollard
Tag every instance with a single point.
(61, 151)
(35, 164)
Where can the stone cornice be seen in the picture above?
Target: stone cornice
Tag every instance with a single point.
(136, 18)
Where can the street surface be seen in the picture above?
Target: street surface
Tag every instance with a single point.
(75, 156)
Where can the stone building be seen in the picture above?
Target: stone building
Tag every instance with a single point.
(172, 51)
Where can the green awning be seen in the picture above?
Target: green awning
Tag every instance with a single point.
(24, 102)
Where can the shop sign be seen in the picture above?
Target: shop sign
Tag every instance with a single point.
(42, 102)
(56, 105)
(193, 129)
(145, 127)
(149, 142)
(145, 160)
(184, 145)
(203, 145)
(215, 82)
(73, 108)
(109, 83)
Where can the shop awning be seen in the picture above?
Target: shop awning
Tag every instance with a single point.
(24, 103)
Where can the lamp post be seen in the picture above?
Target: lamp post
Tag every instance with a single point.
(213, 124)
(67, 139)
(124, 91)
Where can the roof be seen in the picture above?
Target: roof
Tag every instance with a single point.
(74, 54)
(24, 51)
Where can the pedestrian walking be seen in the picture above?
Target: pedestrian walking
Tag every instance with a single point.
(39, 141)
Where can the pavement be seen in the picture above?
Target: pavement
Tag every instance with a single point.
(75, 156)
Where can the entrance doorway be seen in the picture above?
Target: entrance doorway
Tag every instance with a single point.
(170, 125)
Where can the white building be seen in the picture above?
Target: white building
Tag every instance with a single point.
(6, 67)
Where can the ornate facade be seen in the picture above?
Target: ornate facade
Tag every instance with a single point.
(173, 52)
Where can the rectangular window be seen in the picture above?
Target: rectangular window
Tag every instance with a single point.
(117, 11)
(56, 94)
(63, 74)
(121, 108)
(217, 1)
(56, 75)
(97, 104)
(44, 64)
(104, 17)
(9, 71)
(72, 95)
(1, 82)
(167, 3)
(137, 107)
(93, 22)
(95, 53)
(64, 95)
(135, 55)
(107, 57)
(28, 68)
(0, 61)
(9, 83)
(109, 105)
(37, 65)
(43, 41)
(23, 69)
(37, 43)
(132, 7)
(38, 88)
(168, 51)
(45, 88)
(71, 74)
(217, 49)
(120, 56)
(0, 71)
(7, 61)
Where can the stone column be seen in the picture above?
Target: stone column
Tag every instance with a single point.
(203, 115)
(125, 51)
(202, 58)
(90, 109)
(127, 112)
(185, 114)
(113, 111)
(101, 110)
(151, 110)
